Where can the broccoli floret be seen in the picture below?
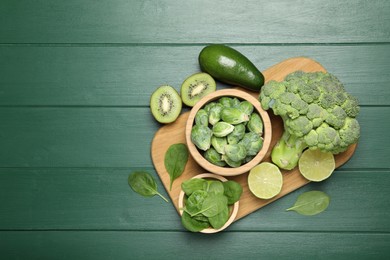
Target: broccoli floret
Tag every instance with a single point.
(299, 126)
(317, 113)
(326, 100)
(309, 92)
(271, 92)
(311, 139)
(301, 106)
(351, 106)
(283, 105)
(336, 117)
(349, 132)
(328, 138)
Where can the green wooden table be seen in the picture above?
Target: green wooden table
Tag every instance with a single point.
(75, 82)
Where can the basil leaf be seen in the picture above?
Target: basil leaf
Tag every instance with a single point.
(175, 161)
(144, 184)
(311, 203)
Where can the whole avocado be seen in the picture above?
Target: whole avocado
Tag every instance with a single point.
(230, 66)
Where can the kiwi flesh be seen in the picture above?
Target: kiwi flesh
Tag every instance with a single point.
(165, 104)
(195, 87)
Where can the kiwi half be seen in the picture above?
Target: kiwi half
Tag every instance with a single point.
(165, 104)
(195, 87)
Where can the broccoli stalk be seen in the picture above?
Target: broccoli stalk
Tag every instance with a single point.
(287, 151)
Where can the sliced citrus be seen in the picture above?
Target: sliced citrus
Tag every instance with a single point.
(265, 180)
(316, 165)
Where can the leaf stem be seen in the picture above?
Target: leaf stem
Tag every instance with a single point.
(162, 197)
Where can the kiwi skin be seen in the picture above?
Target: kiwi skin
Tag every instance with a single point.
(165, 104)
(202, 83)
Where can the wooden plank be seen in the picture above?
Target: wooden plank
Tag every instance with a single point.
(76, 137)
(100, 199)
(121, 137)
(123, 76)
(182, 245)
(194, 21)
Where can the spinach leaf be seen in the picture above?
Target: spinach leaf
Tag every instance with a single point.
(232, 190)
(201, 218)
(192, 224)
(191, 185)
(144, 184)
(195, 201)
(214, 186)
(311, 203)
(205, 203)
(220, 219)
(213, 204)
(175, 161)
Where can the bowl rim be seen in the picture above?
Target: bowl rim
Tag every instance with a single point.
(226, 171)
(235, 205)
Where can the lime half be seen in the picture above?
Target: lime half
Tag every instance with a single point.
(265, 180)
(316, 165)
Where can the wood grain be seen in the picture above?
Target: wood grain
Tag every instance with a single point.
(51, 74)
(175, 133)
(126, 21)
(128, 244)
(75, 82)
(121, 137)
(100, 199)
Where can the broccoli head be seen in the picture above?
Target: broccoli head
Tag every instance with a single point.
(317, 113)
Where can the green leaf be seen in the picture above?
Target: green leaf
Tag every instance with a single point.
(193, 224)
(311, 203)
(232, 190)
(220, 219)
(194, 202)
(175, 161)
(192, 185)
(144, 184)
(213, 204)
(214, 186)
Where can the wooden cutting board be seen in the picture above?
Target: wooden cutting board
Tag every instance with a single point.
(292, 180)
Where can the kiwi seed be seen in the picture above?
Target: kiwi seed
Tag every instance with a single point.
(165, 104)
(195, 87)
